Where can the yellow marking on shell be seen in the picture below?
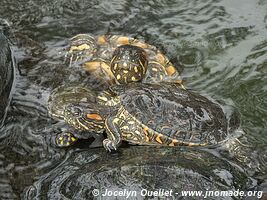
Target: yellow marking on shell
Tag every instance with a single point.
(140, 44)
(161, 77)
(154, 69)
(125, 127)
(61, 142)
(173, 143)
(118, 76)
(145, 130)
(79, 48)
(125, 71)
(98, 67)
(101, 40)
(122, 40)
(146, 134)
(135, 69)
(67, 143)
(191, 144)
(115, 66)
(116, 120)
(106, 68)
(91, 65)
(160, 58)
(60, 138)
(133, 78)
(73, 139)
(113, 58)
(122, 114)
(137, 132)
(158, 139)
(170, 70)
(124, 64)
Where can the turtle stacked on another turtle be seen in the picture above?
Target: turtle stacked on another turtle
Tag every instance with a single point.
(116, 60)
(120, 59)
(155, 111)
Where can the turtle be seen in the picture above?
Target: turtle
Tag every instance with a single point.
(120, 59)
(150, 114)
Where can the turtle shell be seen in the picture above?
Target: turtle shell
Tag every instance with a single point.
(171, 111)
(95, 55)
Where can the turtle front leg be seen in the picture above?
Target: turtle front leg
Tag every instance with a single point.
(113, 134)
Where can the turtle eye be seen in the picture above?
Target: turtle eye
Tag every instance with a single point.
(74, 110)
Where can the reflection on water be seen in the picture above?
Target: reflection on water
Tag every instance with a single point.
(220, 48)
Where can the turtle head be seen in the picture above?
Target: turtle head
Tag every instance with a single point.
(129, 64)
(85, 116)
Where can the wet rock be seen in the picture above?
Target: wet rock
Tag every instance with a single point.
(140, 171)
(6, 71)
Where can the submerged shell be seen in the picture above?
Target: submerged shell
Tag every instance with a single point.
(174, 112)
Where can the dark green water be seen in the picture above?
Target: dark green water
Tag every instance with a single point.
(220, 48)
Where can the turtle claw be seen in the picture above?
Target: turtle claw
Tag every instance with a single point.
(109, 145)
